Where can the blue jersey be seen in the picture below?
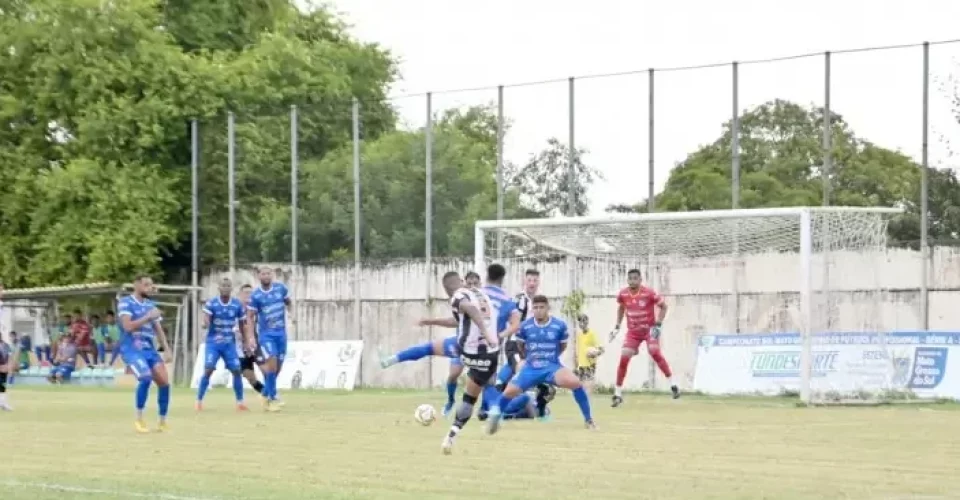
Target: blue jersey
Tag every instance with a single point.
(224, 318)
(141, 339)
(502, 304)
(271, 308)
(543, 342)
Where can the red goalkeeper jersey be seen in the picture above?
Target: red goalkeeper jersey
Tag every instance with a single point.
(639, 307)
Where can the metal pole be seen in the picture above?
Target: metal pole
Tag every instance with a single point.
(428, 210)
(735, 188)
(356, 221)
(651, 205)
(231, 190)
(925, 194)
(827, 131)
(294, 185)
(195, 234)
(501, 126)
(572, 152)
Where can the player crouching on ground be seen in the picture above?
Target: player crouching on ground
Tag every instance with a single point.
(65, 362)
(542, 339)
(529, 405)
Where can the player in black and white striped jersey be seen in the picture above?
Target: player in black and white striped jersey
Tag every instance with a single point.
(479, 349)
(531, 285)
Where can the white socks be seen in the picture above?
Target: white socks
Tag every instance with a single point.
(670, 381)
(618, 392)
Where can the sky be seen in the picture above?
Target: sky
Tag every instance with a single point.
(446, 45)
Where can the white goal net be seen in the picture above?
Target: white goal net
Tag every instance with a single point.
(761, 301)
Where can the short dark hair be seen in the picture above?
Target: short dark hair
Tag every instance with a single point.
(245, 286)
(633, 271)
(141, 277)
(110, 313)
(496, 272)
(472, 274)
(450, 274)
(95, 316)
(78, 312)
(539, 299)
(531, 272)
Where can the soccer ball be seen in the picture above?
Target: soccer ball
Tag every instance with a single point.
(425, 414)
(593, 352)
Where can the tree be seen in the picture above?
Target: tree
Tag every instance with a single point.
(781, 160)
(544, 181)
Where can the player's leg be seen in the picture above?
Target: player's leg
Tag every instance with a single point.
(453, 376)
(231, 359)
(526, 378)
(631, 345)
(418, 351)
(545, 395)
(247, 369)
(141, 370)
(211, 354)
(4, 404)
(653, 348)
(269, 368)
(480, 373)
(519, 407)
(281, 344)
(160, 377)
(565, 378)
(511, 367)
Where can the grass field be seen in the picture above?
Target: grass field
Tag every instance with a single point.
(79, 443)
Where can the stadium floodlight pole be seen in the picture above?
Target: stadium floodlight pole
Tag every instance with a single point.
(294, 184)
(356, 220)
(925, 193)
(428, 209)
(194, 228)
(501, 126)
(232, 191)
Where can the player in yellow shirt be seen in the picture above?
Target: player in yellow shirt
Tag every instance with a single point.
(588, 349)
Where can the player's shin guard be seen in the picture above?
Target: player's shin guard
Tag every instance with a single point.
(464, 413)
(203, 386)
(163, 400)
(583, 401)
(270, 385)
(143, 391)
(238, 386)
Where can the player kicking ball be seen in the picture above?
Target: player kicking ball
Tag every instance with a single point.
(542, 339)
(221, 317)
(645, 310)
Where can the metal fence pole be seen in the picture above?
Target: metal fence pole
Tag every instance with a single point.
(735, 187)
(356, 221)
(651, 204)
(428, 217)
(294, 185)
(925, 254)
(194, 310)
(501, 127)
(572, 152)
(231, 189)
(827, 132)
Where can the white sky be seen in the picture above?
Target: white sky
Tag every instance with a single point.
(457, 44)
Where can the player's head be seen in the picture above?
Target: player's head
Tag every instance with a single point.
(451, 282)
(633, 278)
(265, 274)
(472, 280)
(110, 317)
(541, 307)
(143, 285)
(531, 281)
(225, 287)
(583, 321)
(495, 274)
(95, 319)
(245, 291)
(77, 314)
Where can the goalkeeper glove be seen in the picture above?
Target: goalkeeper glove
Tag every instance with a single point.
(613, 334)
(655, 332)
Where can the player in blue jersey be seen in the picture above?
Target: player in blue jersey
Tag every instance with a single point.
(531, 284)
(221, 317)
(542, 339)
(508, 319)
(446, 347)
(268, 308)
(141, 333)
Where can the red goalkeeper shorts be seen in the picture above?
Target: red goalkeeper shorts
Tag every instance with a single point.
(635, 338)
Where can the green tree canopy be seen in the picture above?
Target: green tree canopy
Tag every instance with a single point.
(781, 159)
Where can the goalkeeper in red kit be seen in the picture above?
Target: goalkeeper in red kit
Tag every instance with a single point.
(645, 311)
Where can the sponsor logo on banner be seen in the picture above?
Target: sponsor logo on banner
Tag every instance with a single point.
(842, 362)
(306, 366)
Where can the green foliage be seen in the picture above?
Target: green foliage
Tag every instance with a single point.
(780, 166)
(544, 182)
(573, 304)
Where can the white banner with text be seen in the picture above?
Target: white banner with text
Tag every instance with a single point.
(329, 364)
(844, 363)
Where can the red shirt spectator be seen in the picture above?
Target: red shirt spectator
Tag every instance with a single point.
(80, 330)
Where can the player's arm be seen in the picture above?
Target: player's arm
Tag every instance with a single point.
(513, 324)
(621, 310)
(162, 337)
(473, 312)
(563, 338)
(207, 317)
(441, 322)
(661, 310)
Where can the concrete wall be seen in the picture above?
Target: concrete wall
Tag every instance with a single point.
(757, 294)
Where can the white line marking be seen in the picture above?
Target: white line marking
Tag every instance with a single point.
(66, 488)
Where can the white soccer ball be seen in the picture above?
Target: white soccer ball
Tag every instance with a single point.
(593, 352)
(425, 414)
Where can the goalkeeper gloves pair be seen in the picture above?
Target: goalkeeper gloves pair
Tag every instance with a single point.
(654, 332)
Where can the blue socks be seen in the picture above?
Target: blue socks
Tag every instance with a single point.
(202, 388)
(163, 399)
(270, 385)
(416, 352)
(143, 390)
(583, 401)
(451, 392)
(491, 398)
(238, 386)
(505, 374)
(113, 355)
(516, 404)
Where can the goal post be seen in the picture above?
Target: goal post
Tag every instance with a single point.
(711, 252)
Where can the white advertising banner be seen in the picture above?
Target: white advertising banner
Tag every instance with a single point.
(918, 362)
(330, 364)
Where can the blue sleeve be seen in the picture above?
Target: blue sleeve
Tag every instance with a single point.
(564, 334)
(286, 292)
(123, 308)
(521, 336)
(208, 307)
(254, 304)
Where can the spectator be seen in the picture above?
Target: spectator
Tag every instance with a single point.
(24, 347)
(62, 330)
(11, 354)
(100, 354)
(6, 362)
(65, 362)
(81, 332)
(111, 335)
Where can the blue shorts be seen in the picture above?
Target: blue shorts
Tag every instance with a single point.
(141, 362)
(531, 377)
(451, 349)
(273, 347)
(523, 401)
(63, 371)
(227, 352)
